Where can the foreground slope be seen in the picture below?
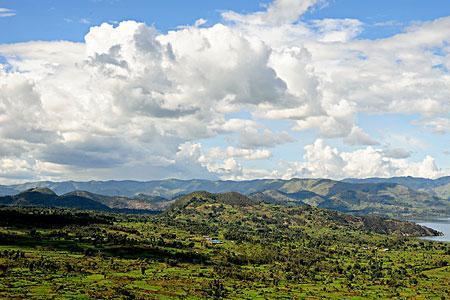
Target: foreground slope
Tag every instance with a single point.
(213, 246)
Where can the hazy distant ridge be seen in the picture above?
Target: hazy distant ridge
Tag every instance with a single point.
(169, 188)
(386, 196)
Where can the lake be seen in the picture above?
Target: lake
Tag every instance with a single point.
(442, 225)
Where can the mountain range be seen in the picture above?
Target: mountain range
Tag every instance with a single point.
(439, 187)
(397, 196)
(44, 197)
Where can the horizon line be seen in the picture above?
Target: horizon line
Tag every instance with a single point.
(220, 180)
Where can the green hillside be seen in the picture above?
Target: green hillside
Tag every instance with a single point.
(439, 186)
(397, 196)
(44, 197)
(404, 197)
(389, 199)
(217, 246)
(230, 209)
(443, 191)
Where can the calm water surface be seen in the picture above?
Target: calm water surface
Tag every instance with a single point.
(442, 225)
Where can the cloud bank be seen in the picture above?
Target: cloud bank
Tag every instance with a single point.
(131, 102)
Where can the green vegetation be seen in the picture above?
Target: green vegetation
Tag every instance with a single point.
(443, 191)
(45, 197)
(217, 246)
(439, 187)
(389, 199)
(404, 197)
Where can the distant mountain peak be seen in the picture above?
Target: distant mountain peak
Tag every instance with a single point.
(40, 190)
(197, 198)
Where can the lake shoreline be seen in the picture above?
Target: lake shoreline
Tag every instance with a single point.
(440, 224)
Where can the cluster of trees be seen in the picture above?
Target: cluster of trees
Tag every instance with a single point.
(268, 248)
(49, 217)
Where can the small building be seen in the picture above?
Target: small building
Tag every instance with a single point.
(212, 240)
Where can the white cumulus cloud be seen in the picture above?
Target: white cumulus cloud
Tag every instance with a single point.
(131, 101)
(322, 160)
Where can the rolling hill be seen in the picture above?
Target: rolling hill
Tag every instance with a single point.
(226, 210)
(363, 198)
(216, 246)
(47, 198)
(44, 197)
(398, 196)
(439, 187)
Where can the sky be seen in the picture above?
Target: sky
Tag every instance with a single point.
(231, 90)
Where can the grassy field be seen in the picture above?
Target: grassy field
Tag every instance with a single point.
(212, 250)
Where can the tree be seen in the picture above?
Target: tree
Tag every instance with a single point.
(216, 289)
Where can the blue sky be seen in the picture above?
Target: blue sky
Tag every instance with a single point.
(343, 116)
(71, 20)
